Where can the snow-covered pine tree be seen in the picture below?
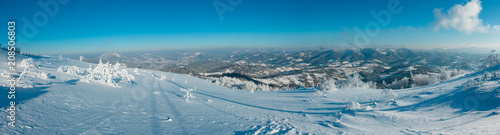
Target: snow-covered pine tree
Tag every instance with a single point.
(384, 84)
(411, 80)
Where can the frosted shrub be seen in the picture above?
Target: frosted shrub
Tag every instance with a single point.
(355, 81)
(444, 74)
(108, 74)
(389, 95)
(403, 83)
(249, 85)
(28, 63)
(478, 81)
(72, 70)
(227, 81)
(328, 85)
(40, 75)
(456, 72)
(423, 80)
(490, 61)
(472, 83)
(31, 68)
(420, 80)
(5, 74)
(136, 71)
(433, 79)
(237, 83)
(104, 73)
(188, 94)
(264, 87)
(353, 106)
(371, 84)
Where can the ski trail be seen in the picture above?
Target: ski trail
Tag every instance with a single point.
(178, 117)
(99, 124)
(155, 124)
(210, 106)
(87, 123)
(250, 105)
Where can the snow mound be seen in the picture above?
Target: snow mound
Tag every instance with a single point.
(354, 106)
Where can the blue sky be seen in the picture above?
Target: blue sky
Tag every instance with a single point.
(82, 26)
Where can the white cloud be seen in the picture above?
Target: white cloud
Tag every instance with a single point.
(408, 28)
(463, 18)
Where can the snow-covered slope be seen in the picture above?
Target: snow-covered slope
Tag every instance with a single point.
(71, 101)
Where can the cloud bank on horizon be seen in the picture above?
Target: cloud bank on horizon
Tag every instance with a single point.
(464, 18)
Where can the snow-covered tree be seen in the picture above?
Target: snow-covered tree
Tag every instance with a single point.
(384, 84)
(401, 84)
(491, 60)
(411, 80)
(329, 85)
(389, 95)
(420, 80)
(444, 74)
(30, 68)
(354, 81)
(433, 79)
(104, 73)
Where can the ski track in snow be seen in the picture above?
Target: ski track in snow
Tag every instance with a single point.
(176, 115)
(250, 105)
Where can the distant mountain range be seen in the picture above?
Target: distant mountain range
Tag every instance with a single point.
(284, 69)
